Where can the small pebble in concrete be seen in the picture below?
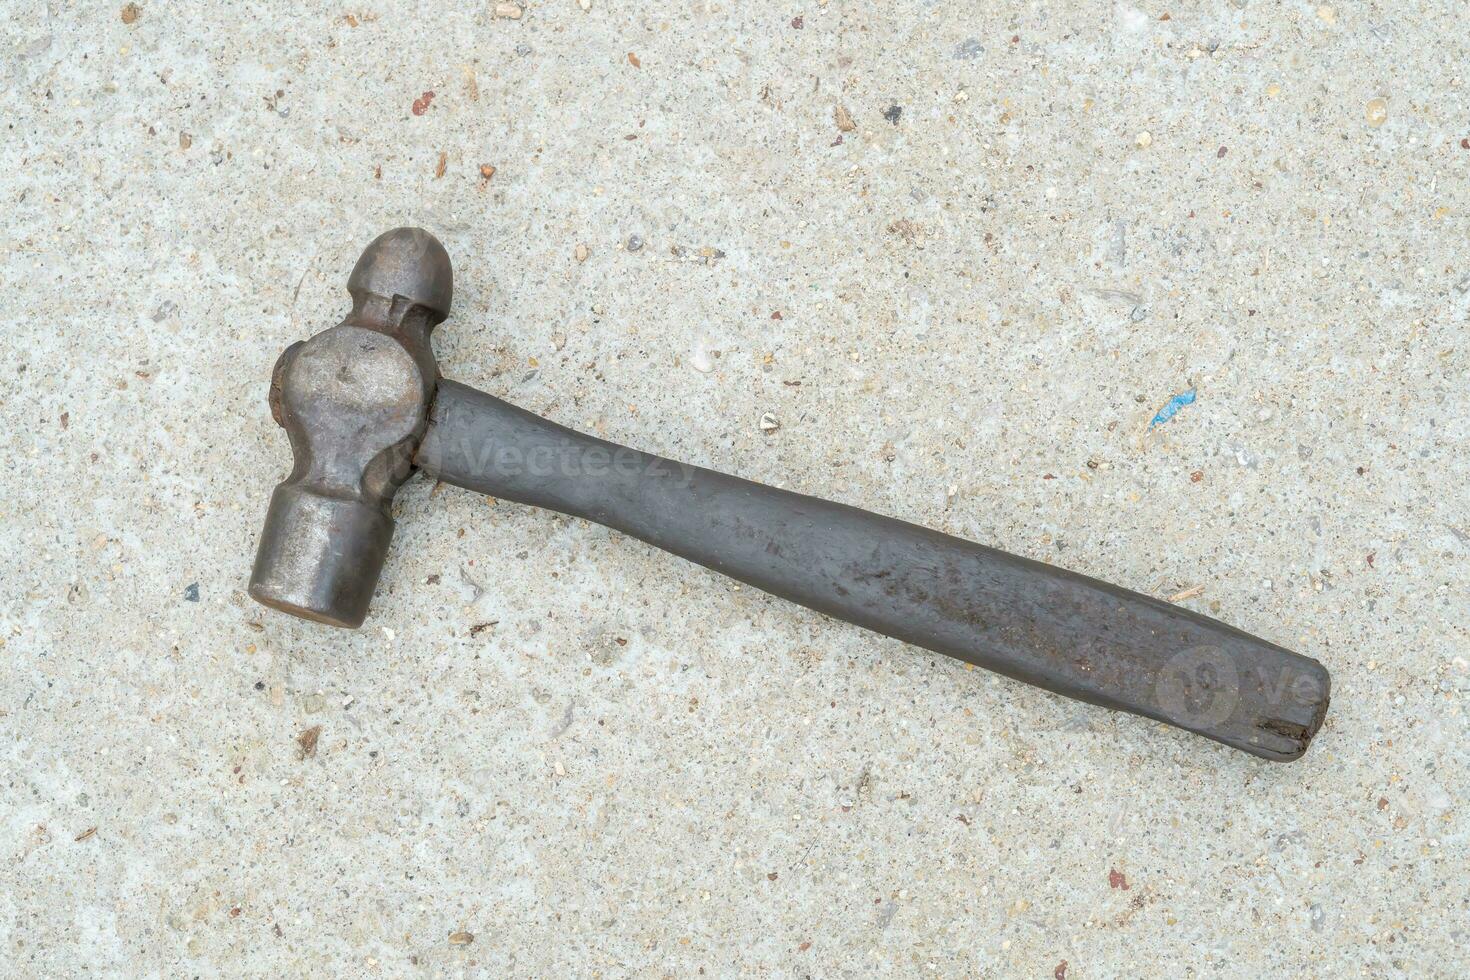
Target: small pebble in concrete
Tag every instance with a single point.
(1377, 112)
(892, 113)
(969, 49)
(634, 243)
(306, 742)
(191, 592)
(508, 11)
(769, 423)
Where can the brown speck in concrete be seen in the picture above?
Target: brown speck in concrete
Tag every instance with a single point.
(421, 104)
(843, 118)
(633, 60)
(1117, 879)
(1060, 973)
(1196, 476)
(461, 938)
(904, 228)
(479, 628)
(1220, 153)
(306, 742)
(798, 23)
(131, 12)
(90, 831)
(442, 165)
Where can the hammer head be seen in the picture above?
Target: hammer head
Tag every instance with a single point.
(354, 401)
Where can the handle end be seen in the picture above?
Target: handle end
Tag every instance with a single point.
(1249, 694)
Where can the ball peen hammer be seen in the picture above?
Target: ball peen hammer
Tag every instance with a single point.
(363, 406)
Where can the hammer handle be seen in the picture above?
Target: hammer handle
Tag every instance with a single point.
(1056, 629)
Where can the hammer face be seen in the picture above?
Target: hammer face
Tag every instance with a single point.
(320, 556)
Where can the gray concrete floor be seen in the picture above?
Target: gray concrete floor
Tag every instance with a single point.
(1033, 226)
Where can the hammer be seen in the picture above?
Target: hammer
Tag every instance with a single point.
(363, 406)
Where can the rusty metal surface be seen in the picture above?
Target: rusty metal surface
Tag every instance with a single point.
(354, 402)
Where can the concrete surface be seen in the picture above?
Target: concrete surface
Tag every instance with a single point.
(554, 752)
